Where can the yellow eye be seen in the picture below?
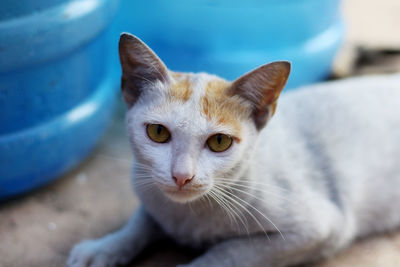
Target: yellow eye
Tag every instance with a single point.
(219, 142)
(158, 133)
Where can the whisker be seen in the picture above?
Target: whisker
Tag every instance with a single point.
(143, 182)
(239, 214)
(222, 205)
(262, 214)
(138, 164)
(262, 190)
(248, 182)
(223, 192)
(207, 196)
(144, 186)
(229, 209)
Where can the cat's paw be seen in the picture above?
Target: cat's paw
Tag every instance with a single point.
(96, 253)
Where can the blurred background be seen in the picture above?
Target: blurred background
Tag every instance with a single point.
(64, 155)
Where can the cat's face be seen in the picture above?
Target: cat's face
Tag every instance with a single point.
(189, 133)
(189, 130)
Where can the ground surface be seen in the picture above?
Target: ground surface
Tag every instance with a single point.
(39, 229)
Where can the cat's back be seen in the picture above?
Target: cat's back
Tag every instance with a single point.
(329, 101)
(354, 115)
(351, 121)
(347, 135)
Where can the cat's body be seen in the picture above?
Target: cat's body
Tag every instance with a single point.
(324, 171)
(333, 155)
(344, 139)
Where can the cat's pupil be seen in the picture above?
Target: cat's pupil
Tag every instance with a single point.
(159, 129)
(219, 138)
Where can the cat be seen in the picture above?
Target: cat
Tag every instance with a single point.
(209, 174)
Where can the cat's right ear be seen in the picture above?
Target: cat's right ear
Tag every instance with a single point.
(140, 67)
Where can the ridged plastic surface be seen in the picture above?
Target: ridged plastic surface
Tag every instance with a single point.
(56, 87)
(231, 37)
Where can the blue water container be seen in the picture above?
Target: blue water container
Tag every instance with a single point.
(56, 87)
(231, 37)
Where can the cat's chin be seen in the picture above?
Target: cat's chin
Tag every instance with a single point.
(183, 195)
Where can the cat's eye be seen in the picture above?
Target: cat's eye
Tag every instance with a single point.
(158, 133)
(219, 142)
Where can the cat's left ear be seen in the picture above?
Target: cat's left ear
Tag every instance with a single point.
(141, 68)
(262, 87)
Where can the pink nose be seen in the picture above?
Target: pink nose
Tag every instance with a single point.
(182, 179)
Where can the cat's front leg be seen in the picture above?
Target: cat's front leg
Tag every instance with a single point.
(119, 247)
(261, 251)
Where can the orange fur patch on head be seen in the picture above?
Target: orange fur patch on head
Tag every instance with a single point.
(181, 89)
(223, 109)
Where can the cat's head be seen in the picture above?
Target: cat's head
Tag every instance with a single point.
(189, 130)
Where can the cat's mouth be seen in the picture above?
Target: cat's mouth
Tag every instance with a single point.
(185, 194)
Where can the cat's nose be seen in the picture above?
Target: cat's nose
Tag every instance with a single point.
(181, 179)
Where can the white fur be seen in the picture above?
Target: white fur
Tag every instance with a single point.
(324, 171)
(186, 151)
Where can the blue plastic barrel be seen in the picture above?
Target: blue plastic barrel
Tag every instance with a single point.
(231, 37)
(56, 87)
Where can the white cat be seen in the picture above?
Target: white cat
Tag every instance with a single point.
(326, 169)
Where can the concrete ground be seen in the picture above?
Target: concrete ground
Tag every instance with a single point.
(38, 229)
